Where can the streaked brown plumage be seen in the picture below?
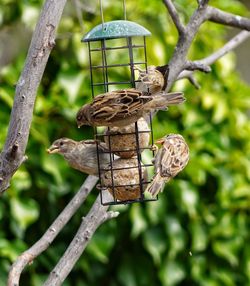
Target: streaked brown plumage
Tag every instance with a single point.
(81, 155)
(151, 80)
(169, 161)
(123, 107)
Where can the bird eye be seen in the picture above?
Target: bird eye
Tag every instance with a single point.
(61, 143)
(79, 117)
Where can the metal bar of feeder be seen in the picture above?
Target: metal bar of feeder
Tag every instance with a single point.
(117, 65)
(119, 134)
(131, 60)
(127, 202)
(106, 84)
(125, 168)
(116, 48)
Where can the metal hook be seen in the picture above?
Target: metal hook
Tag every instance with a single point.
(101, 11)
(124, 9)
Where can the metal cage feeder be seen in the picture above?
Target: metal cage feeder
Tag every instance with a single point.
(115, 48)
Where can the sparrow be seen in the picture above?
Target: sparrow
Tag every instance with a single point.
(122, 141)
(82, 155)
(125, 178)
(123, 107)
(169, 161)
(153, 79)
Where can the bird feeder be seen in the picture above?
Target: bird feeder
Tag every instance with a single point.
(115, 48)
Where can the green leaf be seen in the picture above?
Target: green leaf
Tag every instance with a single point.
(139, 223)
(171, 273)
(155, 242)
(11, 249)
(228, 249)
(100, 246)
(24, 211)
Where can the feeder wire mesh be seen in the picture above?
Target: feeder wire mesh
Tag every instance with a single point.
(125, 178)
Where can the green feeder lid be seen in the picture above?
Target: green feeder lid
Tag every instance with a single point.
(115, 29)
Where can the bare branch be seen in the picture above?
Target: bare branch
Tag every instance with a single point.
(202, 14)
(221, 17)
(203, 3)
(229, 46)
(193, 81)
(44, 242)
(78, 9)
(96, 216)
(43, 40)
(178, 60)
(196, 65)
(174, 15)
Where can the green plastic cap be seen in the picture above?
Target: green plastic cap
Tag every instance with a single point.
(115, 29)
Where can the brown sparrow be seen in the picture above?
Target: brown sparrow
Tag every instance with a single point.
(170, 160)
(152, 80)
(123, 107)
(126, 179)
(82, 155)
(122, 140)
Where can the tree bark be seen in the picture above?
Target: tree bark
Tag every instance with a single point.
(43, 40)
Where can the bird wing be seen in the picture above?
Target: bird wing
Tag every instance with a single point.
(118, 104)
(174, 159)
(166, 160)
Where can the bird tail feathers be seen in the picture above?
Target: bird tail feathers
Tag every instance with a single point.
(157, 185)
(162, 100)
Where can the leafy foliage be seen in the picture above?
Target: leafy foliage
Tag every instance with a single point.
(197, 232)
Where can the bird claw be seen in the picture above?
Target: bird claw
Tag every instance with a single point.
(154, 148)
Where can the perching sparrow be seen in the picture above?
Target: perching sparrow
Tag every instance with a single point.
(170, 160)
(123, 107)
(122, 140)
(82, 155)
(126, 179)
(153, 79)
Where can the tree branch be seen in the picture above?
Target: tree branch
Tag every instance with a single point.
(174, 15)
(196, 65)
(221, 17)
(229, 46)
(44, 242)
(96, 216)
(43, 40)
(178, 60)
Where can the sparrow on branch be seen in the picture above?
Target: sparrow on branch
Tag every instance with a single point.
(169, 161)
(123, 107)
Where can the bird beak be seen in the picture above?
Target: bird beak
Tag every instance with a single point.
(79, 124)
(53, 149)
(160, 141)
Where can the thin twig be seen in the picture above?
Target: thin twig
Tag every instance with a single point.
(203, 3)
(196, 65)
(96, 216)
(78, 9)
(178, 60)
(229, 46)
(174, 15)
(44, 242)
(193, 81)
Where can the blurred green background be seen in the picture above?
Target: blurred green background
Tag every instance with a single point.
(198, 232)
